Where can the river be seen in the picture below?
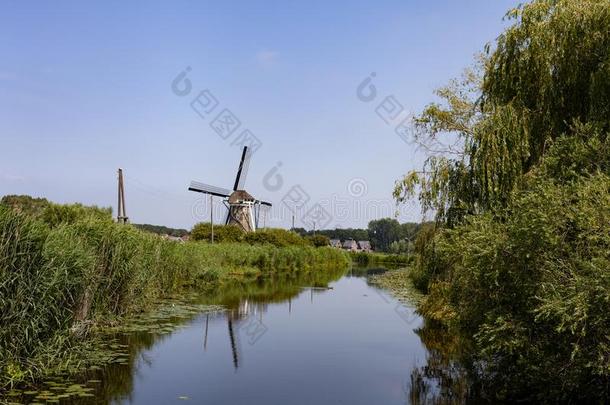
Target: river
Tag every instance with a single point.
(340, 341)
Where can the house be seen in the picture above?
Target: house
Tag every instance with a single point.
(171, 238)
(336, 243)
(365, 246)
(350, 245)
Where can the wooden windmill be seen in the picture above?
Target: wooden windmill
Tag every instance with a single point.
(243, 210)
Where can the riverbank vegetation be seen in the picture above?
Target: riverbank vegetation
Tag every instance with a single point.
(519, 259)
(65, 270)
(399, 284)
(373, 258)
(162, 230)
(385, 234)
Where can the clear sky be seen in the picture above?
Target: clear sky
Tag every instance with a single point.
(86, 88)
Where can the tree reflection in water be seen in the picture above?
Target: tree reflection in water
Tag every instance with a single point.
(448, 375)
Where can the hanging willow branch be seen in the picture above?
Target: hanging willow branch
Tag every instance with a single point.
(548, 71)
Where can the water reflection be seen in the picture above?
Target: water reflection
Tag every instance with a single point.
(315, 338)
(246, 304)
(446, 376)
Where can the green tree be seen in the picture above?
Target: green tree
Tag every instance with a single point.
(548, 71)
(518, 175)
(382, 232)
(408, 231)
(319, 240)
(162, 230)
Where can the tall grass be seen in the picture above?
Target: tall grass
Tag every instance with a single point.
(366, 259)
(68, 268)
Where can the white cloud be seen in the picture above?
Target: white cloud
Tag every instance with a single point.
(267, 58)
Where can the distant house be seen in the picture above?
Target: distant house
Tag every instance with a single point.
(350, 245)
(172, 238)
(365, 245)
(336, 243)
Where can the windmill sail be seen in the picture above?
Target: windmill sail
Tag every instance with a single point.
(242, 170)
(208, 189)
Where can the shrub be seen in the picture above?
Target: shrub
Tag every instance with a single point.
(26, 204)
(232, 234)
(366, 259)
(276, 237)
(534, 289)
(222, 233)
(55, 214)
(319, 240)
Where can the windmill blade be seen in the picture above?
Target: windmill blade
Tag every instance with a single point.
(228, 216)
(242, 170)
(208, 189)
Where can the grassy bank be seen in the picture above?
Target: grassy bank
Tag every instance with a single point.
(367, 259)
(66, 269)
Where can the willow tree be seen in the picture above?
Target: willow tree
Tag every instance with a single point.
(522, 144)
(545, 74)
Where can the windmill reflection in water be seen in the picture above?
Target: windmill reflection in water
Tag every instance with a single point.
(248, 314)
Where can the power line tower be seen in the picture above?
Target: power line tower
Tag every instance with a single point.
(122, 217)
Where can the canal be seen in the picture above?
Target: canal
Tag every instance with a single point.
(336, 339)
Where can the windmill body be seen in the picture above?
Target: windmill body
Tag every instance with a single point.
(243, 210)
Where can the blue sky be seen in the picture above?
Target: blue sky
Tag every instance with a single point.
(86, 88)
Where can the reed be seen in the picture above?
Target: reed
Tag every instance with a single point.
(369, 258)
(65, 270)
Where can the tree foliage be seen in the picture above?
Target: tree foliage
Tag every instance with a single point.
(518, 175)
(548, 71)
(382, 232)
(233, 234)
(339, 233)
(162, 230)
(319, 240)
(533, 289)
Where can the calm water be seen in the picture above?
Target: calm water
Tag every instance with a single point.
(289, 342)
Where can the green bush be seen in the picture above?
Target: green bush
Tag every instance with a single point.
(366, 259)
(26, 204)
(53, 214)
(276, 237)
(56, 214)
(520, 261)
(222, 233)
(535, 289)
(319, 240)
(232, 234)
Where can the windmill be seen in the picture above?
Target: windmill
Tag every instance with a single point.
(243, 210)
